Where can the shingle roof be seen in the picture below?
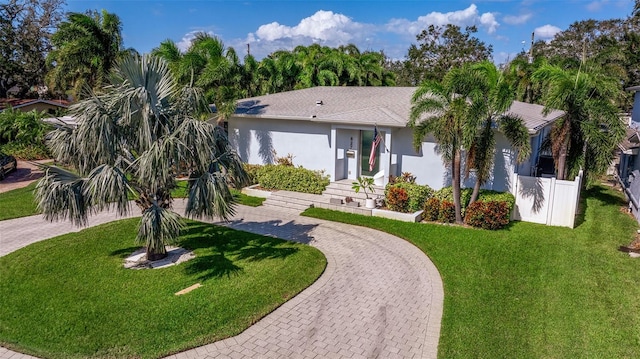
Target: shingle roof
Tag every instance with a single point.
(17, 103)
(382, 106)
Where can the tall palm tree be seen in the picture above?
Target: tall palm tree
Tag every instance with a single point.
(86, 47)
(443, 110)
(491, 91)
(591, 128)
(129, 142)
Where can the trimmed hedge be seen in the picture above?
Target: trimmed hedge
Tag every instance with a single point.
(252, 172)
(289, 178)
(488, 215)
(418, 194)
(494, 196)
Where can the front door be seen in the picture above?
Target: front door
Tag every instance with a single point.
(366, 138)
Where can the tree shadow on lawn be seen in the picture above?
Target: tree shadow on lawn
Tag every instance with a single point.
(220, 248)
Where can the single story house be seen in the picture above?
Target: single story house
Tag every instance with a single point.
(332, 128)
(26, 105)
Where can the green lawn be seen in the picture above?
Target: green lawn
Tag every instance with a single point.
(532, 291)
(70, 297)
(20, 203)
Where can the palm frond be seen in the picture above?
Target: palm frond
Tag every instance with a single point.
(60, 196)
(209, 197)
(158, 226)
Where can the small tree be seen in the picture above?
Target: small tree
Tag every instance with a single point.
(129, 142)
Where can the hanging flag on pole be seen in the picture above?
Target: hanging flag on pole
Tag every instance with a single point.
(374, 148)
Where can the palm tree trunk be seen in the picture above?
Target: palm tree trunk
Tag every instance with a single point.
(562, 158)
(476, 191)
(456, 185)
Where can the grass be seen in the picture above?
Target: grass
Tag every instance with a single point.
(532, 291)
(20, 203)
(70, 297)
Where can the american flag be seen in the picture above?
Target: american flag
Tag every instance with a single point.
(374, 148)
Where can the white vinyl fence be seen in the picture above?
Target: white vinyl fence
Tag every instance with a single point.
(546, 200)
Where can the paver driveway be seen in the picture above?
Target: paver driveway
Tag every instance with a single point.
(379, 297)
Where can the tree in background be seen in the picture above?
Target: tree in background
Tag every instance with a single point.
(86, 47)
(130, 139)
(443, 110)
(25, 31)
(440, 49)
(591, 128)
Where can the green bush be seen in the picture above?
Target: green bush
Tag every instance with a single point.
(397, 199)
(447, 212)
(291, 178)
(446, 194)
(252, 172)
(29, 152)
(418, 194)
(431, 209)
(494, 196)
(488, 215)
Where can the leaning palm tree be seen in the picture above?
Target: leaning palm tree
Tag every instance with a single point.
(494, 96)
(129, 143)
(587, 135)
(443, 110)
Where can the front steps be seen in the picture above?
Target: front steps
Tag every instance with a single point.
(298, 202)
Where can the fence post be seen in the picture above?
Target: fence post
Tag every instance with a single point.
(551, 201)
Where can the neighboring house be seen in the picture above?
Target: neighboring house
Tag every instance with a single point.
(331, 129)
(635, 114)
(26, 105)
(627, 155)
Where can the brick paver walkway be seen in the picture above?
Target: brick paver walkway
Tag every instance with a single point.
(379, 297)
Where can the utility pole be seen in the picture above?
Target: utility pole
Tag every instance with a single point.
(248, 49)
(531, 48)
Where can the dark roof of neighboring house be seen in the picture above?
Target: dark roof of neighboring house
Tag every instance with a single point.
(382, 106)
(17, 103)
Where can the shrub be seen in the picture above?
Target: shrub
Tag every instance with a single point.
(494, 196)
(407, 177)
(291, 178)
(397, 199)
(431, 209)
(29, 152)
(418, 194)
(488, 215)
(447, 212)
(446, 194)
(252, 172)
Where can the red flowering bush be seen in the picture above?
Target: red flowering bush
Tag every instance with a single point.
(488, 215)
(447, 212)
(431, 209)
(397, 199)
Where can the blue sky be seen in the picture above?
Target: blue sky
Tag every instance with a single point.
(371, 25)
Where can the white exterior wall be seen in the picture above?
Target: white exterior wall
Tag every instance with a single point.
(309, 143)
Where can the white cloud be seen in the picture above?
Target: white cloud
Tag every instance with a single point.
(546, 32)
(325, 26)
(516, 20)
(186, 40)
(596, 6)
(466, 17)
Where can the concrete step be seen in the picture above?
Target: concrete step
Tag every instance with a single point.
(341, 193)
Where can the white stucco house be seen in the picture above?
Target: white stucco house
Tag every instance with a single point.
(331, 129)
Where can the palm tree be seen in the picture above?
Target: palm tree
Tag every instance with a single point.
(86, 47)
(591, 128)
(442, 109)
(129, 142)
(495, 96)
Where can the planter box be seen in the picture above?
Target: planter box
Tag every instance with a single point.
(255, 192)
(405, 217)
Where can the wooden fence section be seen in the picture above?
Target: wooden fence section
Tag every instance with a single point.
(546, 200)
